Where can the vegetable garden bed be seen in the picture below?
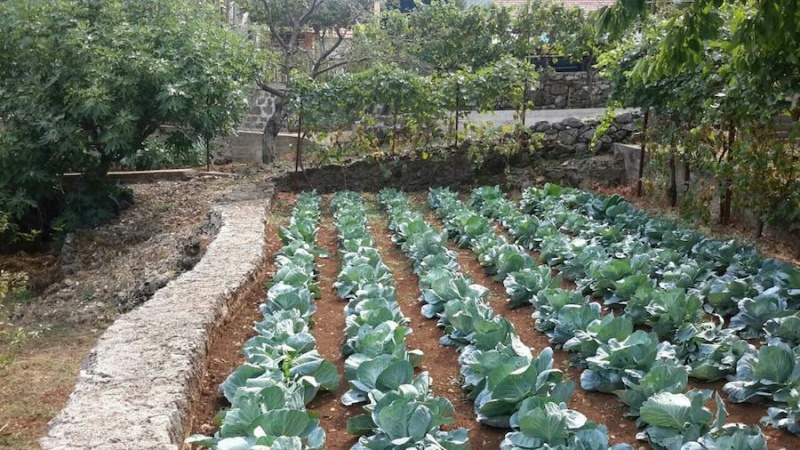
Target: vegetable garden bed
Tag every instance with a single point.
(477, 322)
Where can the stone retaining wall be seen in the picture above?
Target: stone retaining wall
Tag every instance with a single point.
(560, 90)
(566, 141)
(138, 383)
(572, 136)
(557, 90)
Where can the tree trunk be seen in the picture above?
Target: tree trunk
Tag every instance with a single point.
(299, 150)
(271, 130)
(687, 174)
(673, 180)
(458, 105)
(725, 200)
(642, 152)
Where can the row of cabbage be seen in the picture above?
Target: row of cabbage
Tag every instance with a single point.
(648, 375)
(283, 371)
(509, 387)
(731, 278)
(667, 280)
(402, 411)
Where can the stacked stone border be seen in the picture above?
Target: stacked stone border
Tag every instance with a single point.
(137, 386)
(564, 157)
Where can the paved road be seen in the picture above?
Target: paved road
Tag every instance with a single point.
(551, 115)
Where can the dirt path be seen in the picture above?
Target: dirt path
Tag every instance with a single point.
(440, 361)
(329, 321)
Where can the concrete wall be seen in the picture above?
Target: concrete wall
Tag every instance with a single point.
(245, 147)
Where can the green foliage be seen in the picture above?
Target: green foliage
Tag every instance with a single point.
(440, 36)
(12, 285)
(546, 27)
(282, 371)
(165, 154)
(84, 84)
(718, 76)
(401, 411)
(548, 424)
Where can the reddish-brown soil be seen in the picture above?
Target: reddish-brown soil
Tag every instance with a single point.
(329, 331)
(750, 413)
(441, 362)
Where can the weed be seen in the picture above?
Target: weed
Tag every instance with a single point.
(13, 288)
(163, 207)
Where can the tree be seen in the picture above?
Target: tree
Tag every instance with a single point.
(718, 74)
(83, 84)
(289, 22)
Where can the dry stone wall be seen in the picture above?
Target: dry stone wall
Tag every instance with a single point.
(137, 385)
(572, 136)
(563, 90)
(564, 157)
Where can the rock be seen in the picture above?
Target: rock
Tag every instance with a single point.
(558, 126)
(581, 148)
(187, 262)
(541, 126)
(559, 89)
(573, 122)
(630, 127)
(155, 283)
(567, 137)
(587, 135)
(561, 150)
(624, 118)
(192, 246)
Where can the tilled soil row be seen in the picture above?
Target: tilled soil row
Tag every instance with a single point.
(440, 361)
(328, 329)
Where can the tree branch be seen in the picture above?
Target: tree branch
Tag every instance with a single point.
(266, 87)
(315, 71)
(313, 7)
(340, 64)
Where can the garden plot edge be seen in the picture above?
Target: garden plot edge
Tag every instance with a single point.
(137, 385)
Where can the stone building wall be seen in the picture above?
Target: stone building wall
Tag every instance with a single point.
(262, 106)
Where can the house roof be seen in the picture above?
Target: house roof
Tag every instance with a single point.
(588, 5)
